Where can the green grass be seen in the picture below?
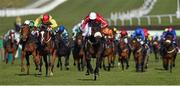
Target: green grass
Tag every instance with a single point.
(14, 3)
(10, 74)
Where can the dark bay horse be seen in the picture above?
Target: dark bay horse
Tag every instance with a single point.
(94, 48)
(123, 53)
(47, 50)
(78, 52)
(169, 53)
(156, 47)
(63, 50)
(139, 57)
(10, 46)
(29, 47)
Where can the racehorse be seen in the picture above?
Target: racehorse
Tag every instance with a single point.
(139, 57)
(10, 46)
(94, 48)
(78, 52)
(156, 46)
(47, 50)
(109, 52)
(169, 53)
(29, 47)
(63, 50)
(123, 53)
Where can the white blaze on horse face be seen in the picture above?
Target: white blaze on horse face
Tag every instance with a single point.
(42, 34)
(168, 41)
(126, 40)
(97, 34)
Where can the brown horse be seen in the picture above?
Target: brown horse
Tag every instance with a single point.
(169, 53)
(10, 46)
(78, 52)
(109, 52)
(140, 59)
(94, 48)
(63, 50)
(29, 47)
(156, 46)
(123, 53)
(47, 49)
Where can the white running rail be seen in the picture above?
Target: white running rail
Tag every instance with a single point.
(30, 11)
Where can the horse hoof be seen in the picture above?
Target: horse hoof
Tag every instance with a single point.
(95, 77)
(119, 64)
(37, 68)
(87, 74)
(39, 73)
(22, 69)
(67, 68)
(51, 74)
(57, 66)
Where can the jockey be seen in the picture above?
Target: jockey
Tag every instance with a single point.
(170, 31)
(46, 20)
(117, 35)
(148, 37)
(124, 34)
(34, 30)
(76, 29)
(93, 20)
(139, 32)
(108, 33)
(18, 22)
(62, 30)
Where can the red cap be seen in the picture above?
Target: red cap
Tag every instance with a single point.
(45, 18)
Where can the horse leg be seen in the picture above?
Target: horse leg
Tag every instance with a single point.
(109, 63)
(46, 64)
(58, 63)
(67, 62)
(82, 64)
(171, 65)
(40, 68)
(14, 53)
(174, 59)
(104, 65)
(36, 59)
(78, 64)
(6, 56)
(89, 66)
(165, 64)
(28, 63)
(127, 63)
(122, 64)
(96, 71)
(129, 54)
(22, 61)
(52, 64)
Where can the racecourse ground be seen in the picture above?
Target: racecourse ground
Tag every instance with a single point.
(155, 75)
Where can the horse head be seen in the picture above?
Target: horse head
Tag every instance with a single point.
(25, 32)
(135, 43)
(45, 36)
(79, 39)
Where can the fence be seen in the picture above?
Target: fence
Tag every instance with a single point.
(30, 11)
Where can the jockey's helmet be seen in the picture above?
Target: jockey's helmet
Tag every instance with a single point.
(45, 18)
(92, 16)
(61, 28)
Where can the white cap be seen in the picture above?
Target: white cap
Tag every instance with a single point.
(92, 15)
(27, 22)
(97, 34)
(168, 41)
